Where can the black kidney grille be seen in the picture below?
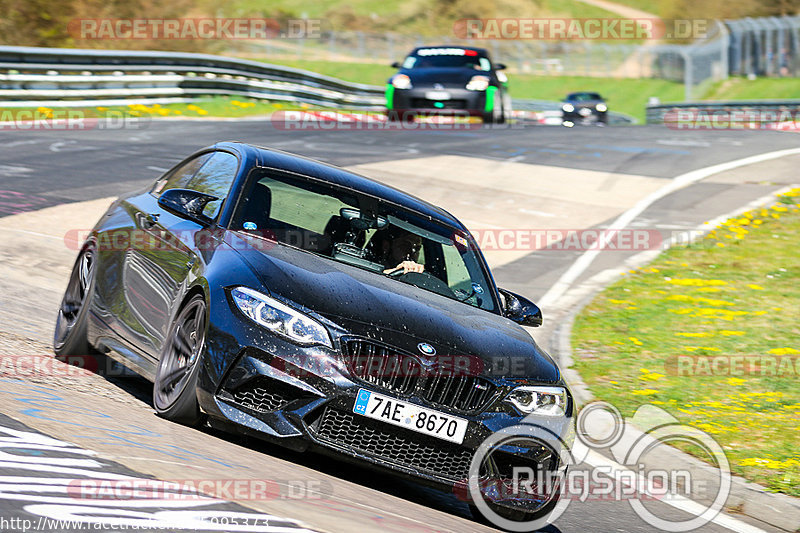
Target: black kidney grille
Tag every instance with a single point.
(446, 460)
(402, 373)
(382, 366)
(465, 393)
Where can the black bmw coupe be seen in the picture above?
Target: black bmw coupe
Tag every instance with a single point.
(287, 299)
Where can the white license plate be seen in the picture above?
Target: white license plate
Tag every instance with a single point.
(437, 95)
(410, 416)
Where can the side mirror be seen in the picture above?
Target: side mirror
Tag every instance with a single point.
(521, 310)
(396, 64)
(500, 66)
(187, 204)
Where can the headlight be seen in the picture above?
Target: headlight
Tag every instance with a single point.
(548, 401)
(401, 81)
(478, 83)
(569, 108)
(280, 318)
(601, 107)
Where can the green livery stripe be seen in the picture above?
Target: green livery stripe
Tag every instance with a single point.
(389, 96)
(489, 107)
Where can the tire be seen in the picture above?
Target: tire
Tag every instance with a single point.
(69, 337)
(400, 116)
(497, 116)
(175, 387)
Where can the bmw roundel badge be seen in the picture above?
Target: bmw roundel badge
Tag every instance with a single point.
(426, 348)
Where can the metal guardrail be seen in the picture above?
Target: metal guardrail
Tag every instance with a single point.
(42, 74)
(63, 76)
(655, 113)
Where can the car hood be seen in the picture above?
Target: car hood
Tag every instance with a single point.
(372, 305)
(447, 77)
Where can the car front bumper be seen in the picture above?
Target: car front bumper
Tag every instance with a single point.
(427, 100)
(303, 397)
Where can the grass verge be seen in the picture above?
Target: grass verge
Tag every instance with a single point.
(678, 333)
(217, 106)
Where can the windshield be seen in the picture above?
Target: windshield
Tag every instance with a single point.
(584, 97)
(447, 58)
(367, 233)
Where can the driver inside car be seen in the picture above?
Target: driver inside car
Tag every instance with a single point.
(397, 250)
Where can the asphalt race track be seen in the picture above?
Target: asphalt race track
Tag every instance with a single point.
(70, 427)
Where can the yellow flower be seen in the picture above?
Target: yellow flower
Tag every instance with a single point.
(784, 351)
(698, 299)
(645, 392)
(721, 245)
(755, 287)
(635, 341)
(729, 333)
(736, 381)
(696, 282)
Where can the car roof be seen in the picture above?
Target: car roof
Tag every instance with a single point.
(271, 158)
(480, 51)
(592, 93)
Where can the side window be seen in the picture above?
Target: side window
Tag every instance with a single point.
(215, 178)
(458, 277)
(179, 178)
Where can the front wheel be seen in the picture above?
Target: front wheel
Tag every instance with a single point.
(175, 387)
(497, 115)
(400, 116)
(70, 336)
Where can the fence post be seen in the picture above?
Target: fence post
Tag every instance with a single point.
(724, 50)
(688, 78)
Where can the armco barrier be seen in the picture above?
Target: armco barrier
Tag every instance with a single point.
(43, 76)
(656, 113)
